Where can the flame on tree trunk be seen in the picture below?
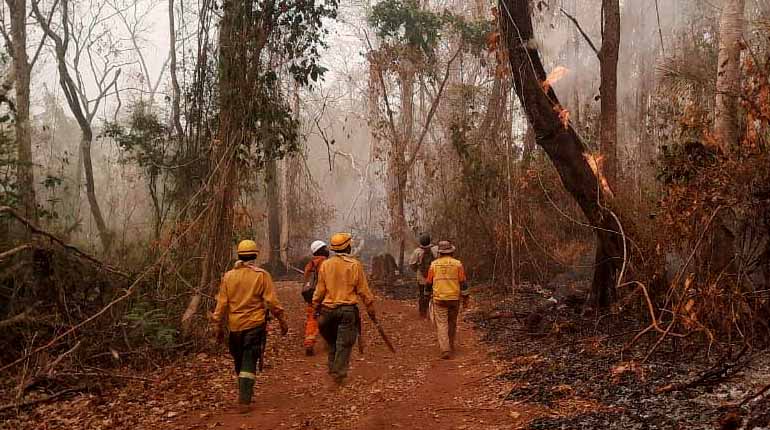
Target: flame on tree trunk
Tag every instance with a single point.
(566, 151)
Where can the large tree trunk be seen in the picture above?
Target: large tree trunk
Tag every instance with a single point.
(569, 155)
(608, 89)
(175, 90)
(23, 70)
(729, 74)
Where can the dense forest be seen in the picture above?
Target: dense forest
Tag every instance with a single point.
(601, 166)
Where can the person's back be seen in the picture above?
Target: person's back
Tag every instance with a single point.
(420, 262)
(447, 277)
(245, 289)
(245, 295)
(447, 280)
(343, 280)
(320, 253)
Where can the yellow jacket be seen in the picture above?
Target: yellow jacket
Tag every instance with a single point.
(447, 277)
(244, 295)
(341, 279)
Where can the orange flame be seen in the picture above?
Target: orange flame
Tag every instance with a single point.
(553, 77)
(563, 115)
(595, 163)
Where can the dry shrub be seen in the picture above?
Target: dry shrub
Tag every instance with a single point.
(716, 221)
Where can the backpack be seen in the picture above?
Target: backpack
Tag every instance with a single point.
(309, 290)
(425, 261)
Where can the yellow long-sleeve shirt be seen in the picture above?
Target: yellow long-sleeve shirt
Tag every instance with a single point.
(341, 279)
(245, 293)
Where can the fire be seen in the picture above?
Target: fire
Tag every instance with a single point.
(595, 163)
(563, 115)
(553, 77)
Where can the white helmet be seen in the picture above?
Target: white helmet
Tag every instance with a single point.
(315, 246)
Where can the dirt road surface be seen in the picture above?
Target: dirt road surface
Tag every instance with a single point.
(409, 390)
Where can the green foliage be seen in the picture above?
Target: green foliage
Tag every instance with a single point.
(404, 22)
(145, 138)
(150, 324)
(300, 33)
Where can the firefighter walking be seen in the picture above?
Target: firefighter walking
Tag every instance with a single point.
(341, 280)
(245, 297)
(420, 262)
(320, 253)
(446, 277)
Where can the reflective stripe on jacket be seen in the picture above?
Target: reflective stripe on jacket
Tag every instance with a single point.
(246, 292)
(447, 276)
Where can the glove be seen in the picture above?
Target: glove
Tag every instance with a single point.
(284, 326)
(466, 301)
(372, 314)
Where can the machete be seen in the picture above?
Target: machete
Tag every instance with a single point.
(382, 334)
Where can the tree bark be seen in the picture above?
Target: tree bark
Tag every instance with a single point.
(23, 71)
(272, 186)
(85, 150)
(569, 155)
(608, 89)
(175, 90)
(284, 204)
(731, 26)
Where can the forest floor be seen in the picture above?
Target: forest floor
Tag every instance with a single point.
(503, 377)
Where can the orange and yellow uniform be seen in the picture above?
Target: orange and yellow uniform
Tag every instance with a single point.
(341, 279)
(311, 323)
(245, 294)
(447, 277)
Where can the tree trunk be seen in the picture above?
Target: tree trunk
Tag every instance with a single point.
(85, 150)
(731, 26)
(284, 204)
(175, 91)
(569, 155)
(23, 70)
(273, 185)
(608, 89)
(406, 77)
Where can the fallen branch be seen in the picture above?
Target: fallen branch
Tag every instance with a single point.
(37, 230)
(11, 252)
(50, 398)
(715, 374)
(17, 319)
(758, 394)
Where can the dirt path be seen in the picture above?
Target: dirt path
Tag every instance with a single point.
(411, 389)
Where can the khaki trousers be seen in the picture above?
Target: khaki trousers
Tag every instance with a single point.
(445, 313)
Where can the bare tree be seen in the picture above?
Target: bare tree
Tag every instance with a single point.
(731, 26)
(83, 45)
(134, 14)
(22, 68)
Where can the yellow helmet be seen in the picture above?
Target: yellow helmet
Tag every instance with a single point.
(340, 241)
(247, 247)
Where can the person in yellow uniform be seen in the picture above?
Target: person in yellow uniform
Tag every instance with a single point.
(446, 277)
(341, 280)
(245, 297)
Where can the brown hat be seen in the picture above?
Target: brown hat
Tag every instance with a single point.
(445, 247)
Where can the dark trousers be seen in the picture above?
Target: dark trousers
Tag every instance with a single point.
(425, 294)
(339, 328)
(247, 347)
